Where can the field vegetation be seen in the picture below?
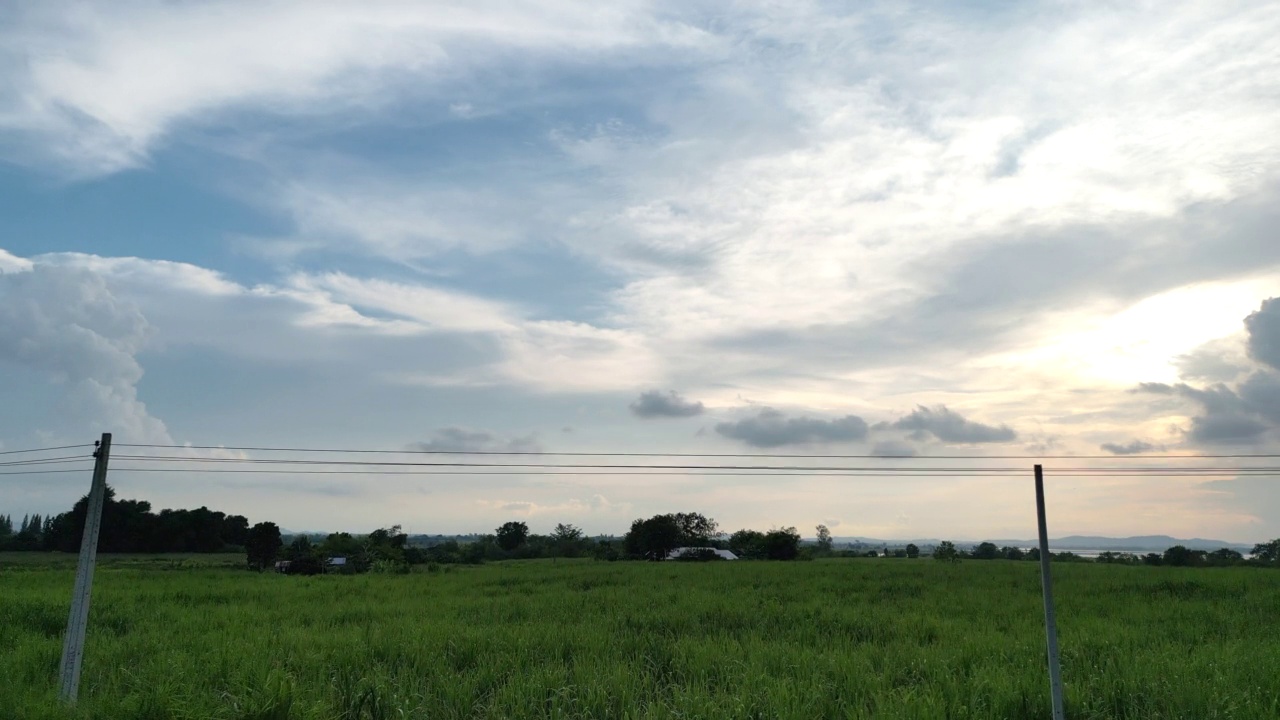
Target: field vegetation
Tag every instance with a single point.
(201, 637)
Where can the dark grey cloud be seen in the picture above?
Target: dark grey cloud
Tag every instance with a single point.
(656, 404)
(894, 448)
(455, 439)
(1264, 333)
(771, 428)
(949, 426)
(1227, 417)
(1247, 412)
(1133, 447)
(1226, 429)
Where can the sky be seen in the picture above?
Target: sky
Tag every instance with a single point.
(890, 229)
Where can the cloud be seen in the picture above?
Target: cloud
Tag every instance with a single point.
(1134, 447)
(66, 324)
(771, 428)
(1264, 333)
(91, 111)
(949, 426)
(894, 448)
(1216, 361)
(454, 439)
(654, 404)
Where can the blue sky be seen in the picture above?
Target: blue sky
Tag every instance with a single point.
(876, 229)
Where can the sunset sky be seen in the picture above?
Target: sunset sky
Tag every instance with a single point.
(886, 229)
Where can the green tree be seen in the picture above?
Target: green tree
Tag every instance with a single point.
(1224, 556)
(1268, 552)
(747, 544)
(512, 535)
(913, 551)
(304, 557)
(986, 551)
(653, 539)
(567, 540)
(386, 544)
(696, 529)
(946, 551)
(341, 544)
(262, 545)
(1012, 553)
(824, 539)
(1179, 556)
(782, 544)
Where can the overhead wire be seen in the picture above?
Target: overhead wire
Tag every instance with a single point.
(682, 467)
(696, 455)
(46, 461)
(44, 449)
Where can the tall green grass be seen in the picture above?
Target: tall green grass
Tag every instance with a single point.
(534, 639)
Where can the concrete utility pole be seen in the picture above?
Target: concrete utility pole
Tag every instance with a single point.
(78, 620)
(1046, 584)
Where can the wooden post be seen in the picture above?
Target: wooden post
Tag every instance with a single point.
(1046, 584)
(78, 620)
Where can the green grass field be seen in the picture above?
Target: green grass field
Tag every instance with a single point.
(580, 639)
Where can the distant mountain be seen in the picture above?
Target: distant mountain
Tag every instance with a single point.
(1145, 543)
(1140, 542)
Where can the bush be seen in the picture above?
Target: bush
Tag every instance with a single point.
(698, 555)
(389, 567)
(305, 565)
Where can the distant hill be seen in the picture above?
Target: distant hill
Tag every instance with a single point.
(1146, 543)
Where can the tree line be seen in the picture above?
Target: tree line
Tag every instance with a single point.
(128, 526)
(1263, 554)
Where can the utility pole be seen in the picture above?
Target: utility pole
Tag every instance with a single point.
(1046, 584)
(78, 620)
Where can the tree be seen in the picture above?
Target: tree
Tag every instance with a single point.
(946, 551)
(696, 528)
(262, 545)
(512, 535)
(304, 557)
(386, 544)
(653, 539)
(1011, 553)
(341, 544)
(1178, 556)
(1268, 553)
(824, 539)
(1224, 556)
(913, 551)
(567, 539)
(782, 544)
(747, 544)
(986, 551)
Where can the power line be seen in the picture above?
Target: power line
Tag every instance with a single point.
(46, 461)
(44, 449)
(42, 472)
(629, 466)
(702, 455)
(633, 473)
